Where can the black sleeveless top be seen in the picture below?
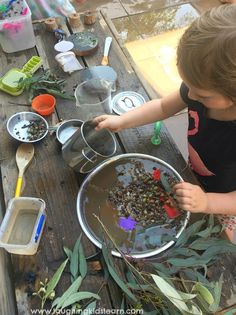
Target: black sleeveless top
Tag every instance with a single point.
(212, 147)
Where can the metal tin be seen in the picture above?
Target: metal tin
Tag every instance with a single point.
(67, 129)
(125, 101)
(17, 126)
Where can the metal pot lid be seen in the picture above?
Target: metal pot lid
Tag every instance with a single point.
(125, 101)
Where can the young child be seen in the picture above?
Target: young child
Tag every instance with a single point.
(41, 9)
(206, 60)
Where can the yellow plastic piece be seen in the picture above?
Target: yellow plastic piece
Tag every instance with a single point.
(18, 186)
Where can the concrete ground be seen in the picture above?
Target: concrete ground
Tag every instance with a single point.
(135, 22)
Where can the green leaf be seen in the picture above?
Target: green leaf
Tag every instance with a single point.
(82, 262)
(184, 252)
(186, 296)
(196, 276)
(189, 232)
(117, 278)
(217, 288)
(204, 292)
(74, 298)
(213, 251)
(159, 267)
(89, 309)
(202, 244)
(174, 296)
(72, 289)
(68, 252)
(74, 261)
(55, 279)
(188, 262)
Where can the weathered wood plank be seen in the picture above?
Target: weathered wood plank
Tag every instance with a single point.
(7, 288)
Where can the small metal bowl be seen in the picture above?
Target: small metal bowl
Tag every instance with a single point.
(67, 129)
(18, 126)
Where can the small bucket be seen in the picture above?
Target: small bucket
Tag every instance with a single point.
(86, 148)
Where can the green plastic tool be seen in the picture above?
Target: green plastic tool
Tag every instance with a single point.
(9, 83)
(156, 139)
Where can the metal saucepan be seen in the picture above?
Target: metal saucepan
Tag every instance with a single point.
(86, 148)
(93, 199)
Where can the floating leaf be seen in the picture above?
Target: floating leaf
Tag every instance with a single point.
(204, 292)
(74, 298)
(165, 183)
(55, 279)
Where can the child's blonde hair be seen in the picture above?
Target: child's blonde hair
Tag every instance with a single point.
(206, 53)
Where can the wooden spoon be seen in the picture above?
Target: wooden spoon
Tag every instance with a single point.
(24, 155)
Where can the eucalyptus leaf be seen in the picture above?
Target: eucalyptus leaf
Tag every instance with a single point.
(90, 308)
(55, 279)
(217, 288)
(173, 295)
(82, 262)
(188, 262)
(189, 232)
(203, 244)
(75, 297)
(204, 292)
(74, 287)
(187, 252)
(159, 267)
(215, 250)
(74, 261)
(196, 276)
(68, 252)
(118, 279)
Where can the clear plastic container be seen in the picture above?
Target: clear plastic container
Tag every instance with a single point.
(22, 225)
(16, 32)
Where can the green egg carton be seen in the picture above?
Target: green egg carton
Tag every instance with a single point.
(10, 82)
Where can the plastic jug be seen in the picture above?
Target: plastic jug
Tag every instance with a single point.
(93, 98)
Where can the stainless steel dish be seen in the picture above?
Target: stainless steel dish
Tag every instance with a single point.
(18, 126)
(67, 129)
(93, 199)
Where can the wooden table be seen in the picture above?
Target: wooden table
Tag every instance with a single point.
(49, 178)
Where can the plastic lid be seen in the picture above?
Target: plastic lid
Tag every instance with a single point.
(64, 46)
(125, 101)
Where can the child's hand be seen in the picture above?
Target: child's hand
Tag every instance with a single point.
(191, 197)
(111, 122)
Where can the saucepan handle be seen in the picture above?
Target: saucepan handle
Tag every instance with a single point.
(91, 159)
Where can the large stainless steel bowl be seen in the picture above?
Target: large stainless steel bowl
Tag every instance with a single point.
(92, 199)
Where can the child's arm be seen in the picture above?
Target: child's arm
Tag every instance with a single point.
(193, 198)
(151, 111)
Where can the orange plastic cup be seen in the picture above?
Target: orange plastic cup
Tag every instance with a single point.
(44, 104)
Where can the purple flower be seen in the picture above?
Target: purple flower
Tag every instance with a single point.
(127, 223)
